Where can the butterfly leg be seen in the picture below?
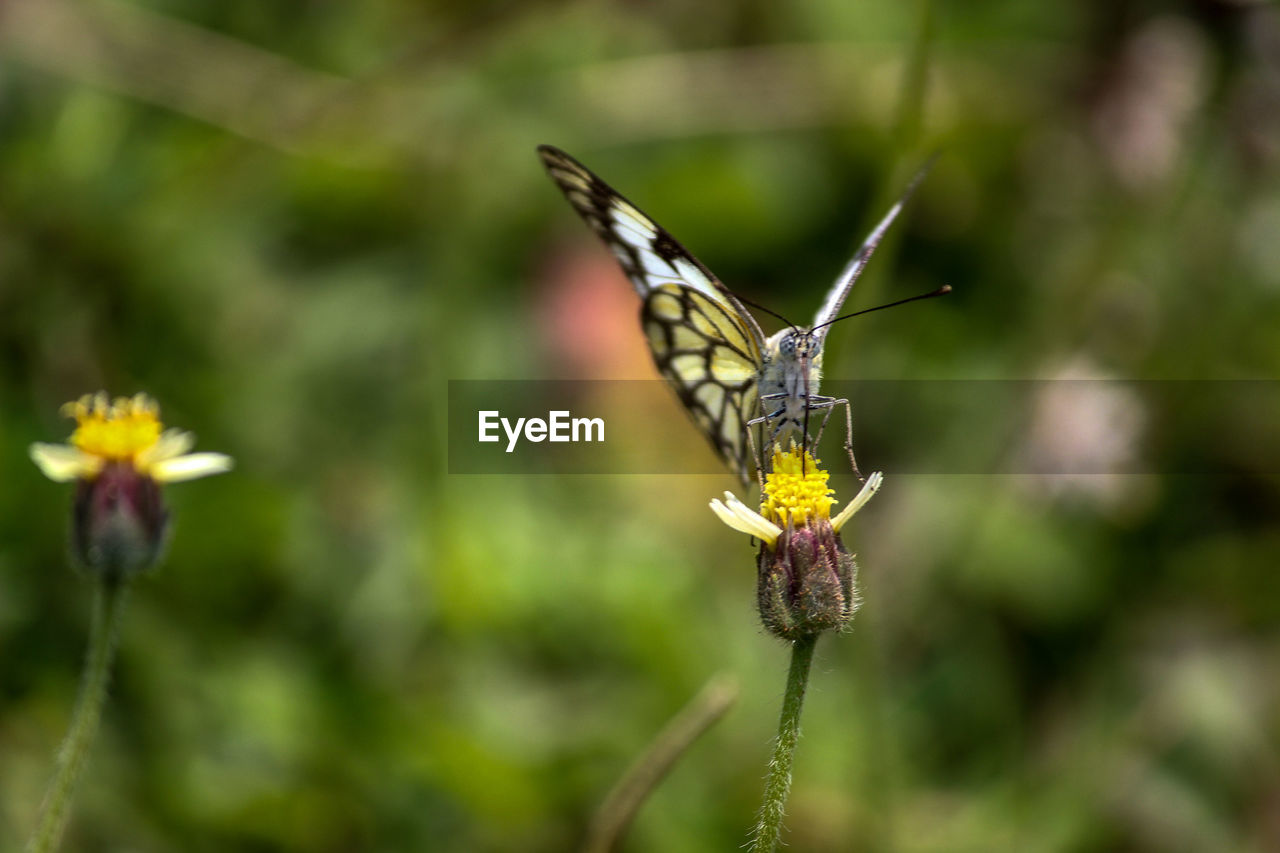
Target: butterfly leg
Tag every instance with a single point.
(757, 452)
(848, 439)
(826, 404)
(763, 419)
(766, 398)
(772, 416)
(829, 404)
(773, 436)
(778, 430)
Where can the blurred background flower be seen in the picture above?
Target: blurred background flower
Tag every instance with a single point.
(119, 457)
(293, 224)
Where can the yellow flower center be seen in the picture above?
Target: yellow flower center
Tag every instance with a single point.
(117, 430)
(796, 489)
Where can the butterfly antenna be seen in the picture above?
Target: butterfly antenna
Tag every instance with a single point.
(760, 307)
(941, 291)
(853, 270)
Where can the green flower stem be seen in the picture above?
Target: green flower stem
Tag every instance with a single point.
(769, 829)
(107, 607)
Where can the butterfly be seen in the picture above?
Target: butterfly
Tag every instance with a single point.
(727, 374)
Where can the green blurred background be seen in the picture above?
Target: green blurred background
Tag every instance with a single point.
(292, 223)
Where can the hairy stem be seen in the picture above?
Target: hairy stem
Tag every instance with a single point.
(769, 828)
(107, 607)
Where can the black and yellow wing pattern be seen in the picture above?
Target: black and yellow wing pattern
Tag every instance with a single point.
(703, 340)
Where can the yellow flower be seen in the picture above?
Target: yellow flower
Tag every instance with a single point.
(807, 579)
(795, 491)
(125, 431)
(118, 456)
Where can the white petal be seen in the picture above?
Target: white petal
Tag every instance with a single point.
(189, 467)
(869, 488)
(63, 463)
(723, 513)
(742, 518)
(172, 442)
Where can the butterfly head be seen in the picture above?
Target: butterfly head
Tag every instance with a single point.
(798, 345)
(790, 375)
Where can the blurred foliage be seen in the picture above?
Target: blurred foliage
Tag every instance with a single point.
(293, 223)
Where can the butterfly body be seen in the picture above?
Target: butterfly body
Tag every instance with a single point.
(790, 375)
(712, 352)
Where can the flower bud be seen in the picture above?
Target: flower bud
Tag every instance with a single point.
(807, 582)
(118, 522)
(806, 579)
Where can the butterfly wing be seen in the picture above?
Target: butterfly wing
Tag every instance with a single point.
(703, 341)
(849, 275)
(709, 357)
